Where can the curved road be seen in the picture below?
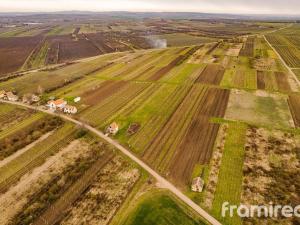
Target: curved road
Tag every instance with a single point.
(161, 180)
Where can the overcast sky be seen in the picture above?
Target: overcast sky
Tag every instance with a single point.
(208, 6)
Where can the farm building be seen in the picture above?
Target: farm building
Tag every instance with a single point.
(70, 109)
(77, 99)
(197, 184)
(2, 94)
(113, 128)
(11, 97)
(57, 104)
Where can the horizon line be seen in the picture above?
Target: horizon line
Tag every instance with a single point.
(142, 11)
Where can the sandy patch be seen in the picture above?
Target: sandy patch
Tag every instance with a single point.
(17, 196)
(100, 203)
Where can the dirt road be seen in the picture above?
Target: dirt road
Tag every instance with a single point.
(161, 180)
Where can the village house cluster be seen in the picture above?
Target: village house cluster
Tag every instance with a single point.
(9, 96)
(53, 105)
(27, 98)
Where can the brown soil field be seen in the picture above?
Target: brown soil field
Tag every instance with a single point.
(182, 143)
(261, 76)
(176, 62)
(282, 81)
(64, 48)
(248, 48)
(52, 56)
(107, 89)
(34, 54)
(14, 52)
(294, 103)
(197, 145)
(98, 40)
(212, 74)
(71, 50)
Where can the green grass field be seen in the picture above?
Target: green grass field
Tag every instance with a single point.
(159, 208)
(229, 185)
(181, 39)
(259, 109)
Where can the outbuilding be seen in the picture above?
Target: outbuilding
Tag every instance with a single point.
(197, 184)
(77, 99)
(70, 109)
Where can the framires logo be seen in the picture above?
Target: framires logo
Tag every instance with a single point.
(250, 211)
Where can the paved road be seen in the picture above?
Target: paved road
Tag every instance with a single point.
(284, 63)
(161, 180)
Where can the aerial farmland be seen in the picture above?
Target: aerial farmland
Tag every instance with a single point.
(160, 104)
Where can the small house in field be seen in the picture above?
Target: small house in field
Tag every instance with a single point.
(2, 94)
(57, 104)
(77, 99)
(197, 184)
(70, 109)
(11, 97)
(113, 128)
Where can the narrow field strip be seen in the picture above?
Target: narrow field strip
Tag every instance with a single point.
(21, 125)
(229, 186)
(103, 110)
(294, 104)
(155, 114)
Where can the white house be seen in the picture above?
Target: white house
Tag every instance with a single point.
(57, 104)
(113, 128)
(70, 109)
(11, 97)
(197, 184)
(77, 99)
